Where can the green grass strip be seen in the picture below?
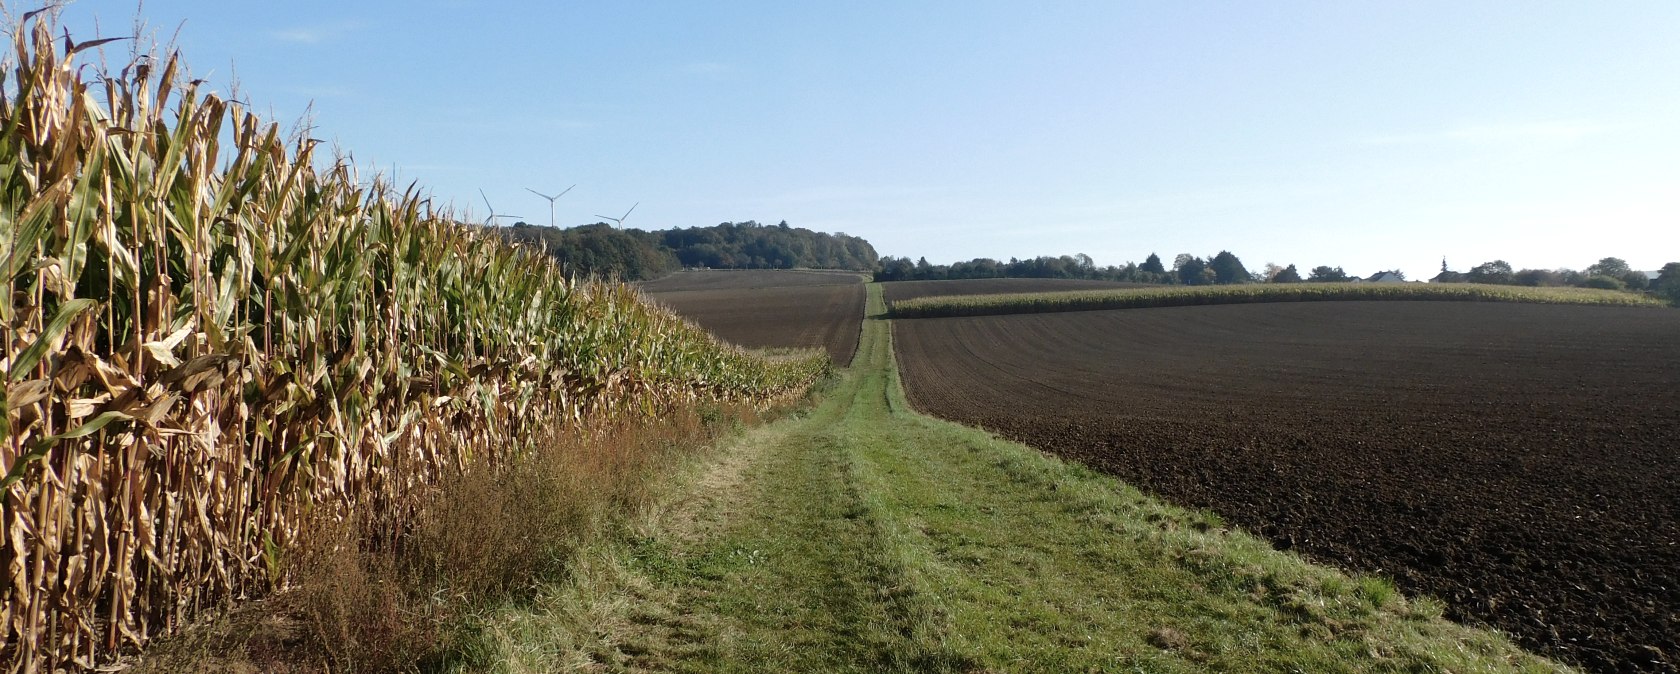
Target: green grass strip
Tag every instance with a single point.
(1178, 296)
(866, 537)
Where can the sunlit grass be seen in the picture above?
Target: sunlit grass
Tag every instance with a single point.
(864, 537)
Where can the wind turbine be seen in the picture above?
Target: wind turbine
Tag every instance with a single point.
(551, 201)
(620, 220)
(491, 221)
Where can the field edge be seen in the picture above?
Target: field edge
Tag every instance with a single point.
(941, 519)
(946, 306)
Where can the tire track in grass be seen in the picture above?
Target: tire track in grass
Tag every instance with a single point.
(801, 578)
(868, 538)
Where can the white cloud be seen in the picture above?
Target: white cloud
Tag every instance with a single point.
(1565, 131)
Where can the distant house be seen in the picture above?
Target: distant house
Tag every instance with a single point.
(1385, 277)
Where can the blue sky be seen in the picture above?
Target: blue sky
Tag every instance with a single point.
(1365, 135)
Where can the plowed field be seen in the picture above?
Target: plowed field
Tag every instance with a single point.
(1520, 462)
(903, 290)
(770, 309)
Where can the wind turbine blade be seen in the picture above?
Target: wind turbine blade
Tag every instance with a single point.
(632, 208)
(540, 194)
(486, 200)
(563, 192)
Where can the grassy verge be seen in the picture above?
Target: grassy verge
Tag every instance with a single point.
(366, 601)
(865, 537)
(1174, 296)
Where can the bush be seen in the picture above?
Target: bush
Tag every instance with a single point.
(1667, 285)
(1604, 283)
(1328, 274)
(1636, 280)
(1497, 272)
(1540, 278)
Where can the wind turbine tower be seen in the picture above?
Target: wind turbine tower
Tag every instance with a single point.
(620, 220)
(491, 221)
(551, 201)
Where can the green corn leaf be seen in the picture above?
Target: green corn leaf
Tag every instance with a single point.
(17, 247)
(50, 338)
(39, 450)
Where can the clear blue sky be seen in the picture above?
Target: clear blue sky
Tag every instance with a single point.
(1366, 135)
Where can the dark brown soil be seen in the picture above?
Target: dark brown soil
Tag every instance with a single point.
(1517, 461)
(899, 291)
(770, 309)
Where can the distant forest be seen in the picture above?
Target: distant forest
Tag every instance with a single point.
(1225, 268)
(603, 251)
(607, 252)
(1067, 266)
(1221, 269)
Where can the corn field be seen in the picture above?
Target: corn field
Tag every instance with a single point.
(213, 334)
(1174, 296)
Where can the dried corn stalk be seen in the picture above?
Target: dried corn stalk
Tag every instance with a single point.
(207, 337)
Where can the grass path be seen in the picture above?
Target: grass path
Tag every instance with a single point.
(864, 537)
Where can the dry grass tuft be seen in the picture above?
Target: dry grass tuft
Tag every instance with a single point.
(1168, 639)
(364, 604)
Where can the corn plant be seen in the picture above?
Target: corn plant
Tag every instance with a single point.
(212, 333)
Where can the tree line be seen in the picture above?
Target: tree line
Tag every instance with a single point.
(1226, 268)
(1187, 269)
(1067, 266)
(1610, 273)
(604, 251)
